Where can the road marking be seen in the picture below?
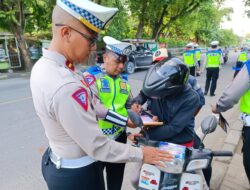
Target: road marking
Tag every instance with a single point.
(16, 100)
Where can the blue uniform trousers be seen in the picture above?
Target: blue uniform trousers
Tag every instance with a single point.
(89, 177)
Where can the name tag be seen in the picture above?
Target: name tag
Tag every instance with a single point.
(123, 88)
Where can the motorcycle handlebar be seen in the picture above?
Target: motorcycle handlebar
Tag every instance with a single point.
(222, 153)
(146, 142)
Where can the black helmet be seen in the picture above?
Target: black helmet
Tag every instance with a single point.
(166, 78)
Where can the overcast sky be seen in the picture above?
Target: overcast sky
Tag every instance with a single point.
(240, 23)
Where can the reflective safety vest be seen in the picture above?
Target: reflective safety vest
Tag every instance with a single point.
(114, 93)
(198, 54)
(188, 58)
(213, 59)
(245, 99)
(242, 57)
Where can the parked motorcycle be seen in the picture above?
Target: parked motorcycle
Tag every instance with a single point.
(182, 172)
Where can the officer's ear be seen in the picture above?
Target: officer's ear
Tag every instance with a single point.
(65, 33)
(105, 57)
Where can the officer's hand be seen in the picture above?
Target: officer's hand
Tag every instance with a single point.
(214, 109)
(130, 124)
(132, 137)
(136, 107)
(135, 118)
(152, 155)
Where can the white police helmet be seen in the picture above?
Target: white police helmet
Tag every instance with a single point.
(118, 47)
(92, 15)
(214, 43)
(190, 45)
(196, 45)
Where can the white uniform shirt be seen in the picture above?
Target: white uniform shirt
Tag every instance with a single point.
(62, 103)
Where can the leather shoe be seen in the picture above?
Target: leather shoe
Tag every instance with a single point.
(205, 93)
(212, 94)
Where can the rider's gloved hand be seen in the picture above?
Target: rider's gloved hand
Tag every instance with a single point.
(136, 107)
(135, 118)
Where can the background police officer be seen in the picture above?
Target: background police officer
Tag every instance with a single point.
(239, 89)
(67, 108)
(198, 58)
(242, 58)
(213, 62)
(189, 58)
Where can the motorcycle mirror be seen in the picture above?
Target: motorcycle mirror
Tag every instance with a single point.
(209, 124)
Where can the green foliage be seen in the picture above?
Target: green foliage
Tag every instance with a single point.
(176, 22)
(247, 4)
(228, 38)
(202, 25)
(38, 15)
(172, 43)
(31, 15)
(119, 27)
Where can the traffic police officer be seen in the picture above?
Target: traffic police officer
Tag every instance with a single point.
(198, 57)
(189, 58)
(239, 89)
(115, 93)
(213, 62)
(243, 57)
(67, 108)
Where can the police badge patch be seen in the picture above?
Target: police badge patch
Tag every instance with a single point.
(105, 87)
(127, 50)
(123, 88)
(89, 80)
(81, 97)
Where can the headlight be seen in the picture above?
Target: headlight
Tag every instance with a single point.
(197, 164)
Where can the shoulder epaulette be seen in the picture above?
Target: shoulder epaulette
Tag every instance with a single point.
(213, 51)
(248, 66)
(94, 70)
(124, 77)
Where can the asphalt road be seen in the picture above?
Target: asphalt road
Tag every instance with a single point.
(23, 140)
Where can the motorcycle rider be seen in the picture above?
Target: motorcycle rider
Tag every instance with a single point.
(159, 55)
(165, 85)
(162, 54)
(172, 99)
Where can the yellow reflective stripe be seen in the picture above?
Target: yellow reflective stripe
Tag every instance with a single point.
(213, 60)
(243, 57)
(108, 99)
(86, 23)
(245, 103)
(189, 59)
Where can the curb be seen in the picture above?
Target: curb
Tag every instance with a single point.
(3, 76)
(14, 75)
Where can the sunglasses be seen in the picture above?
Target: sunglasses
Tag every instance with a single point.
(119, 58)
(92, 40)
